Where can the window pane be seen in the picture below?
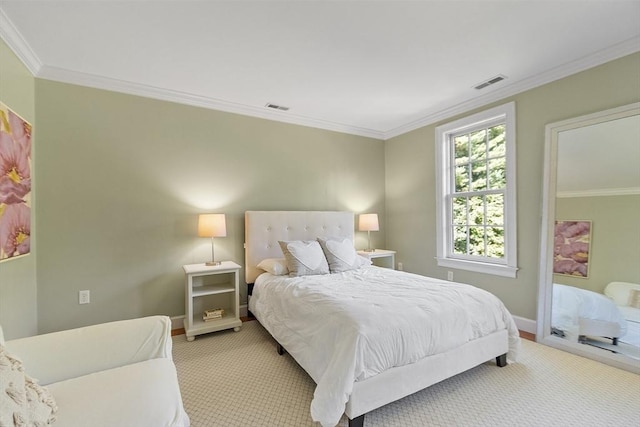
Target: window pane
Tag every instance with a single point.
(497, 173)
(479, 145)
(495, 209)
(495, 242)
(476, 241)
(460, 240)
(462, 178)
(476, 210)
(460, 210)
(461, 146)
(479, 176)
(497, 141)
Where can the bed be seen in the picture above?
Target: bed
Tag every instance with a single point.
(353, 331)
(578, 313)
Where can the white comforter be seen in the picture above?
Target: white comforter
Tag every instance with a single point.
(347, 327)
(571, 303)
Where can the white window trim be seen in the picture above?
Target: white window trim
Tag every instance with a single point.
(506, 112)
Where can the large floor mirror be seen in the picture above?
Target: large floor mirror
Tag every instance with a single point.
(589, 293)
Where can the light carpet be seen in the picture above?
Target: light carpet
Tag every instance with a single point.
(238, 379)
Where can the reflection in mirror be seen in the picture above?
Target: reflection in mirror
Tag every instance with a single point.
(590, 270)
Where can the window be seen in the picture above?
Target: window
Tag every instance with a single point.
(476, 201)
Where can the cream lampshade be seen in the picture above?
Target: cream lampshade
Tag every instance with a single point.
(212, 225)
(368, 222)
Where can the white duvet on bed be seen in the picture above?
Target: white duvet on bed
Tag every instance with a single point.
(349, 326)
(571, 303)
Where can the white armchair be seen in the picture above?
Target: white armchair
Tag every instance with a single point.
(620, 292)
(112, 374)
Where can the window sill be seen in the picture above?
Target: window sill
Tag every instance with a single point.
(478, 267)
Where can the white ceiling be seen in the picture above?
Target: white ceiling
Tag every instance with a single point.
(372, 68)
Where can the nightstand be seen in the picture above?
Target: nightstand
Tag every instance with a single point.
(381, 257)
(210, 287)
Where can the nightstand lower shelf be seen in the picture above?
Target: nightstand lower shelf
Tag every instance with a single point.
(199, 326)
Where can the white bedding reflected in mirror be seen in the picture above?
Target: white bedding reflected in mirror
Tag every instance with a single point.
(589, 272)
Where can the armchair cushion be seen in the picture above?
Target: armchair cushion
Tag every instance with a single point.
(141, 394)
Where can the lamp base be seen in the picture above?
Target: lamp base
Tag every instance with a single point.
(369, 250)
(212, 263)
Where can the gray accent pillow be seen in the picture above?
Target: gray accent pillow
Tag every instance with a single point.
(304, 258)
(341, 254)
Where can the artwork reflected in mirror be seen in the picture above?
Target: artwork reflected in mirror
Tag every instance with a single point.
(596, 272)
(571, 248)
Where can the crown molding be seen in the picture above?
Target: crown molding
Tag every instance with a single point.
(12, 37)
(631, 191)
(122, 86)
(603, 56)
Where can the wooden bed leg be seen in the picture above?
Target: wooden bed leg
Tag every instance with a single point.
(357, 421)
(501, 360)
(280, 349)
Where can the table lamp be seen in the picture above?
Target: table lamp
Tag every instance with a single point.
(368, 223)
(212, 225)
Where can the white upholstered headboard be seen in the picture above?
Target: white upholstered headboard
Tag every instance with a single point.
(263, 230)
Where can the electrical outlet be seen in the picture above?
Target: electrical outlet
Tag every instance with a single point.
(400, 266)
(84, 297)
(450, 276)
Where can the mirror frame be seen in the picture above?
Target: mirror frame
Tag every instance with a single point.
(545, 288)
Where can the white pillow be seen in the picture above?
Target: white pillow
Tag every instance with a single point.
(275, 266)
(304, 258)
(22, 400)
(341, 254)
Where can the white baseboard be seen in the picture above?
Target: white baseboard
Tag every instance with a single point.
(526, 325)
(177, 322)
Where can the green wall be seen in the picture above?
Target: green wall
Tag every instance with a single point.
(123, 179)
(410, 178)
(18, 301)
(615, 238)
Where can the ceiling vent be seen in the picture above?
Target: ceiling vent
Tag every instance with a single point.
(276, 107)
(492, 80)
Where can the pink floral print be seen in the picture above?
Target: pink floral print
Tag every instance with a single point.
(15, 230)
(571, 248)
(15, 184)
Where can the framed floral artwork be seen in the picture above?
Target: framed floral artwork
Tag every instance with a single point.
(572, 243)
(15, 184)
